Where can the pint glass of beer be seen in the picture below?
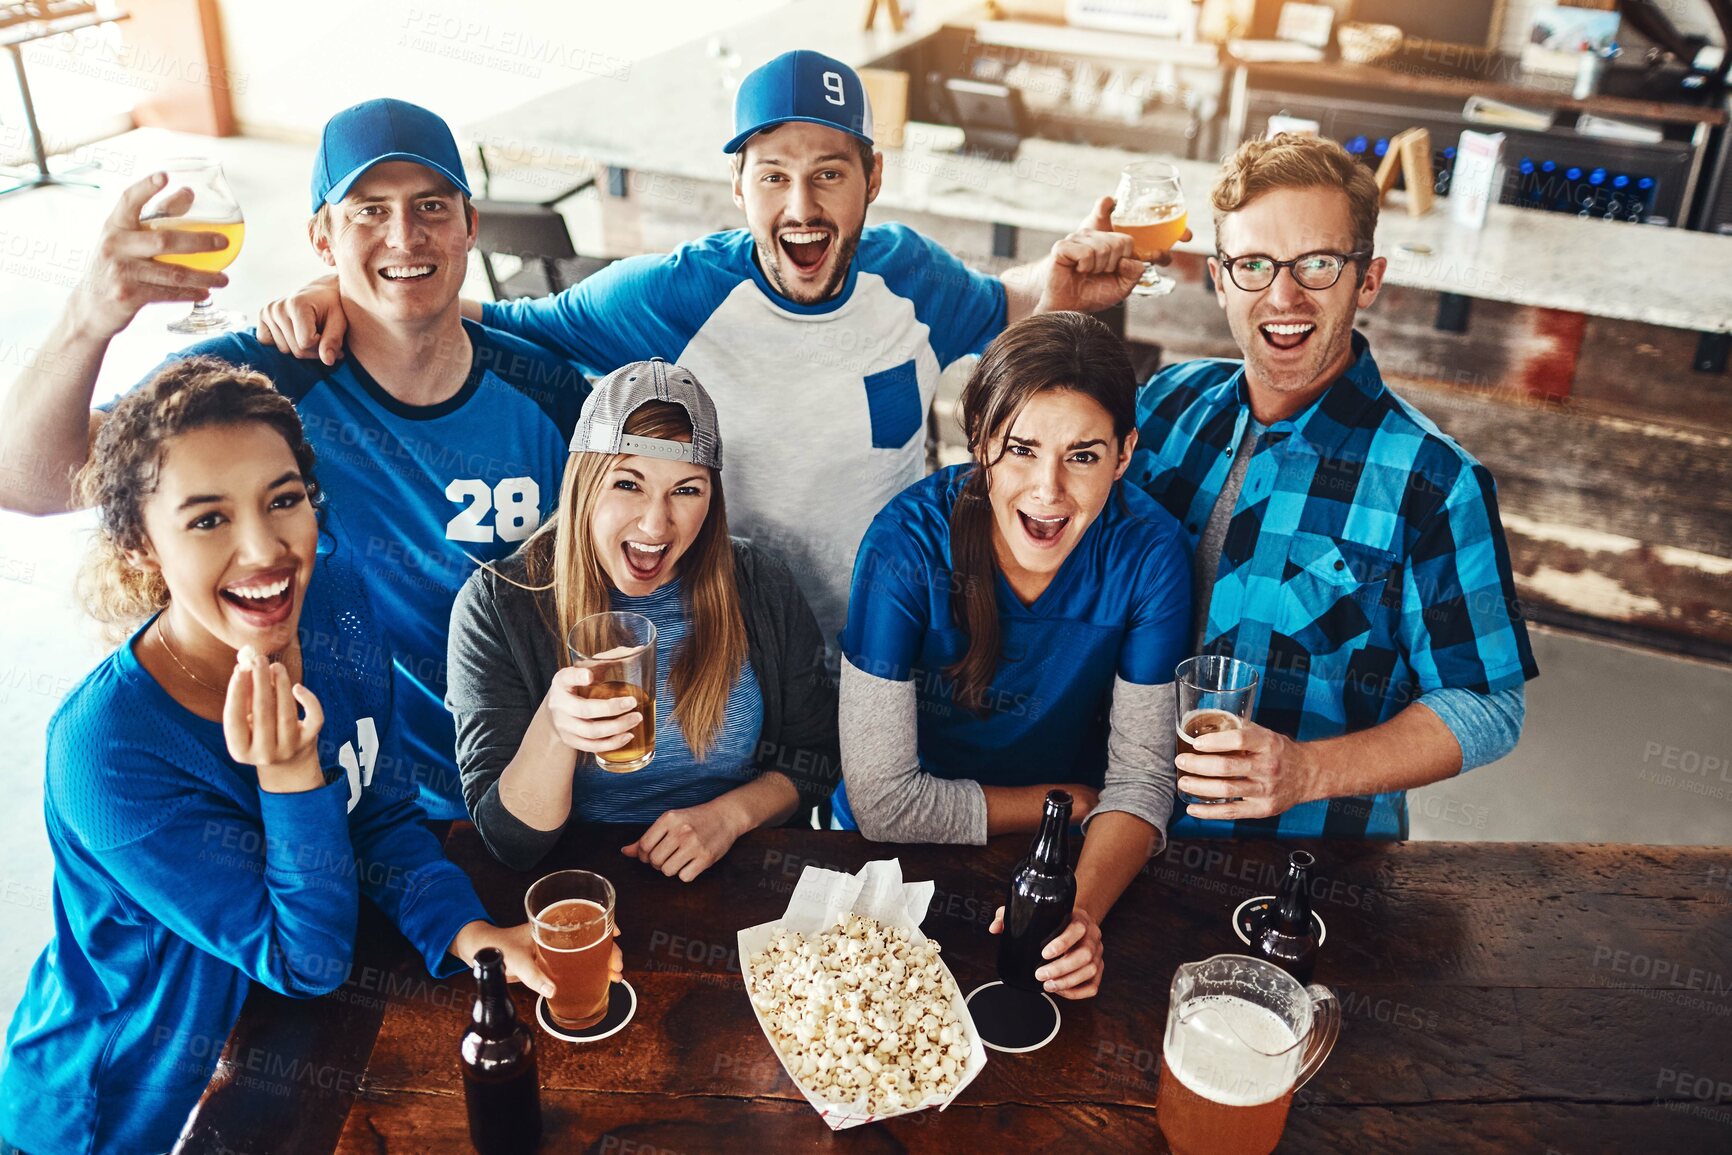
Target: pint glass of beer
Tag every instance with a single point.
(619, 650)
(571, 916)
(1215, 693)
(1242, 1036)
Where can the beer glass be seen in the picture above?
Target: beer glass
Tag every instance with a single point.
(1215, 693)
(571, 917)
(619, 650)
(1149, 208)
(213, 210)
(1242, 1036)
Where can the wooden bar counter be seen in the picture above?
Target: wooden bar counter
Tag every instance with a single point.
(1495, 997)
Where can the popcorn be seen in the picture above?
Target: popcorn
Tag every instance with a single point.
(862, 1011)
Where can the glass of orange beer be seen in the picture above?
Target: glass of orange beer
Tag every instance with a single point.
(619, 651)
(1149, 207)
(1216, 693)
(213, 210)
(1242, 1036)
(571, 917)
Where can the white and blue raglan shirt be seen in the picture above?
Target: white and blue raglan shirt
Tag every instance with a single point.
(178, 882)
(822, 407)
(417, 495)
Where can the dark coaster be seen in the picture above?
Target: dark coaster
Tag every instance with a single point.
(1012, 1020)
(621, 1008)
(1248, 919)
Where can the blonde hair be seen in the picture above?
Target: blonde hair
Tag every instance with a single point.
(126, 460)
(1288, 160)
(561, 555)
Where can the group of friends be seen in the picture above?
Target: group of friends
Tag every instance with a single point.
(342, 557)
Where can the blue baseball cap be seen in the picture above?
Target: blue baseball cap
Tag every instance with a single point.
(802, 85)
(375, 131)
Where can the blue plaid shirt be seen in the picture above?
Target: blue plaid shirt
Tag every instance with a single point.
(1364, 564)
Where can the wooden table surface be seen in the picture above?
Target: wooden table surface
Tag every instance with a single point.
(1496, 996)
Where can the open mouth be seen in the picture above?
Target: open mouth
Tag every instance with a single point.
(1286, 335)
(645, 562)
(407, 273)
(264, 600)
(805, 248)
(1043, 531)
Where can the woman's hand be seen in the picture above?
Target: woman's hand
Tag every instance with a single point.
(1075, 960)
(516, 943)
(591, 725)
(308, 323)
(263, 728)
(687, 842)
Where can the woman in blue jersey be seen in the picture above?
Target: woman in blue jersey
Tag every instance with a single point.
(207, 787)
(1014, 624)
(745, 710)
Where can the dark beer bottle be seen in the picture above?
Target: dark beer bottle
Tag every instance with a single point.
(499, 1079)
(1042, 891)
(1288, 936)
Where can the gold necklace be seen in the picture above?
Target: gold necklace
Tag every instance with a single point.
(162, 632)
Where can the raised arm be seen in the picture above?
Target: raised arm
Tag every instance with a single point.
(46, 423)
(1091, 269)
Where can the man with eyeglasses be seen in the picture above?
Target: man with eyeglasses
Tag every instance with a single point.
(1344, 546)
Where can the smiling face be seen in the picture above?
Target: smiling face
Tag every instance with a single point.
(1296, 341)
(1053, 480)
(645, 518)
(400, 243)
(233, 534)
(804, 190)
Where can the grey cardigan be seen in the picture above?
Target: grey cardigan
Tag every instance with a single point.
(504, 653)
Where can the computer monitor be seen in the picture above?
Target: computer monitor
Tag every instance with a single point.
(1475, 23)
(991, 117)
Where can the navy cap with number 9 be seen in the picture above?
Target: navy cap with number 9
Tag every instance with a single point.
(801, 85)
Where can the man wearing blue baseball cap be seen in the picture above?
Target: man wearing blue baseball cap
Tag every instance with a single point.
(441, 442)
(822, 339)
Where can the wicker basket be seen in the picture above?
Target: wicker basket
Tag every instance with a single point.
(1368, 43)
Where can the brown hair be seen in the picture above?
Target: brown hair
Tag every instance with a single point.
(126, 461)
(1288, 160)
(1048, 351)
(561, 555)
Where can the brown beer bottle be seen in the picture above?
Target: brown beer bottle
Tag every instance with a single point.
(1042, 892)
(1288, 936)
(498, 1056)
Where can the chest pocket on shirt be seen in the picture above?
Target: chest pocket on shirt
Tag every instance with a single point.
(1330, 590)
(893, 396)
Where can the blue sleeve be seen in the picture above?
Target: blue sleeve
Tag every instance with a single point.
(641, 307)
(963, 309)
(1159, 635)
(1486, 726)
(1460, 622)
(277, 899)
(236, 349)
(888, 607)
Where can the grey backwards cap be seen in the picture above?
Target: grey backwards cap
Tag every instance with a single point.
(601, 426)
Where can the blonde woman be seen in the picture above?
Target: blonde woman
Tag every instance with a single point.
(745, 710)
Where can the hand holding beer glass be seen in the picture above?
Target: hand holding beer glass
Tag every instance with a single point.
(211, 209)
(1242, 1036)
(571, 915)
(1216, 693)
(613, 660)
(1149, 207)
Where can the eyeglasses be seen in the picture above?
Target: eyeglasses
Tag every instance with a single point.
(1315, 271)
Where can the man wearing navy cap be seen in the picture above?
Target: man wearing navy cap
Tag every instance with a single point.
(821, 338)
(441, 442)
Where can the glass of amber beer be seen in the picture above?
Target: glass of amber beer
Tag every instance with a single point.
(619, 651)
(1216, 693)
(1149, 208)
(571, 916)
(212, 209)
(1242, 1036)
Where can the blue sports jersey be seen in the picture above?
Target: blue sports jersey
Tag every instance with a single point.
(417, 494)
(177, 880)
(822, 407)
(1119, 605)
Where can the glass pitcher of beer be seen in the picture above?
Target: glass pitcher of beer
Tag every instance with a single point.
(1242, 1036)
